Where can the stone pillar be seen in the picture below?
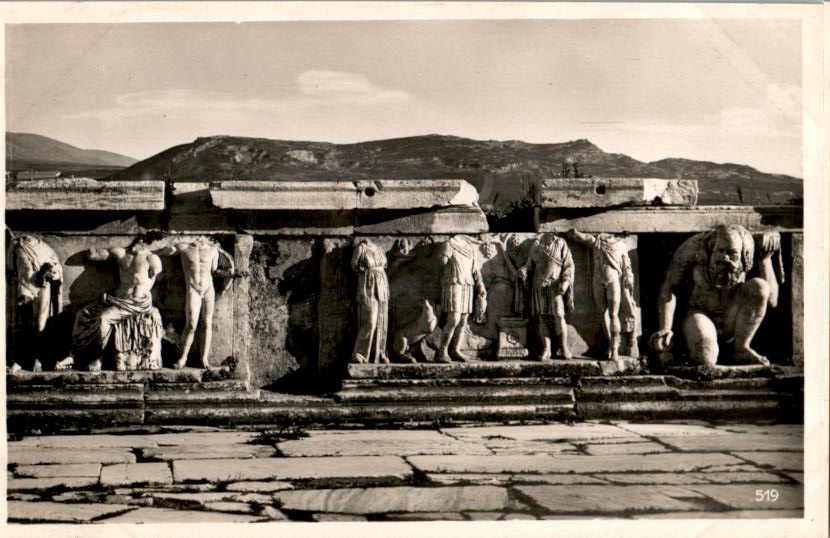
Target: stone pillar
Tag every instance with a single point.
(797, 298)
(241, 327)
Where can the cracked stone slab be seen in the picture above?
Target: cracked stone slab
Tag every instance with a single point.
(555, 433)
(773, 429)
(51, 512)
(22, 484)
(785, 461)
(51, 471)
(193, 498)
(654, 478)
(337, 517)
(741, 476)
(508, 479)
(625, 448)
(733, 442)
(542, 463)
(166, 515)
(744, 497)
(42, 456)
(425, 516)
(670, 429)
(229, 506)
(95, 441)
(125, 474)
(207, 452)
(377, 443)
(605, 499)
(213, 439)
(374, 467)
(259, 487)
(399, 499)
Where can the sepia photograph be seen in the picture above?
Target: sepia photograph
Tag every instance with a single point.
(365, 263)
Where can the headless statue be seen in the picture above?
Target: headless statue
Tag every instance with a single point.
(201, 261)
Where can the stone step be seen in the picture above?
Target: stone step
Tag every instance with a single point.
(349, 384)
(641, 411)
(490, 369)
(75, 396)
(461, 394)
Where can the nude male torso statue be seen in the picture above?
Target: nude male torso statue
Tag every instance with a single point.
(201, 260)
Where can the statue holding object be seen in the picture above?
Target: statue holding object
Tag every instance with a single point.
(723, 306)
(127, 313)
(613, 289)
(39, 277)
(201, 259)
(369, 262)
(551, 290)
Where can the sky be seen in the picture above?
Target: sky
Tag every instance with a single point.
(722, 90)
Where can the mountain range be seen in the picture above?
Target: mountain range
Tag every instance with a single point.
(27, 151)
(502, 171)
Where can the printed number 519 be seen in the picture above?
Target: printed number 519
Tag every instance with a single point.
(766, 495)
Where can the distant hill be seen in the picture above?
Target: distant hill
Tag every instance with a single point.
(27, 151)
(501, 170)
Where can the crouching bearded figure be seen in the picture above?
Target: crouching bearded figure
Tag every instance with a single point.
(723, 306)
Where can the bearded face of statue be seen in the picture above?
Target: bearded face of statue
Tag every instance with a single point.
(726, 269)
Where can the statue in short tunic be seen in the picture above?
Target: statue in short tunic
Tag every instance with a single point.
(462, 293)
(372, 297)
(551, 290)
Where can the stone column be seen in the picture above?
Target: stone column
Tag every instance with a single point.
(241, 327)
(797, 298)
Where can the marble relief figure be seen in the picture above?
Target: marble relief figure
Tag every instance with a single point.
(201, 259)
(613, 289)
(724, 307)
(38, 278)
(462, 293)
(369, 262)
(127, 315)
(550, 269)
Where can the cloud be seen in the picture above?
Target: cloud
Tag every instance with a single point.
(314, 89)
(340, 86)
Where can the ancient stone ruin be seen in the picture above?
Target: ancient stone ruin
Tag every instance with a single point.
(391, 300)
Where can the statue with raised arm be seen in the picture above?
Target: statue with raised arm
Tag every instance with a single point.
(462, 293)
(201, 259)
(551, 290)
(127, 314)
(724, 307)
(613, 288)
(369, 262)
(39, 278)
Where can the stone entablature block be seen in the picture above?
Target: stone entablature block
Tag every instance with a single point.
(85, 194)
(342, 195)
(609, 192)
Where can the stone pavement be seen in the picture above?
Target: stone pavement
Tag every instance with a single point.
(551, 471)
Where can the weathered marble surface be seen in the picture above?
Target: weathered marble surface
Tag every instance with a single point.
(609, 192)
(85, 194)
(342, 195)
(469, 473)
